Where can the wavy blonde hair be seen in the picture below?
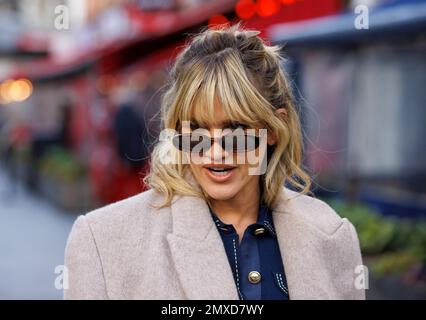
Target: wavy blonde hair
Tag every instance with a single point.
(237, 68)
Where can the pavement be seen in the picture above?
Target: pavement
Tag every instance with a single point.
(33, 234)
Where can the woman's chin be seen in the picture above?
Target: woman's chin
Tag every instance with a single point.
(221, 193)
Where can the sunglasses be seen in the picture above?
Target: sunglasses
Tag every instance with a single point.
(235, 142)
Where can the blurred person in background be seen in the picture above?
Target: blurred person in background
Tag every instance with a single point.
(120, 154)
(130, 130)
(209, 228)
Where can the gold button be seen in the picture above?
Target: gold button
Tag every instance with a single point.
(259, 231)
(254, 277)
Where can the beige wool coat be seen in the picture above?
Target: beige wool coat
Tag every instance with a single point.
(131, 250)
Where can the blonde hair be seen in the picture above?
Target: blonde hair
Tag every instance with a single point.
(242, 72)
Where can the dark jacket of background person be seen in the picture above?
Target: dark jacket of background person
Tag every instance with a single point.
(131, 136)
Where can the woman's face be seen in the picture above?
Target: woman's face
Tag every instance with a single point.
(225, 175)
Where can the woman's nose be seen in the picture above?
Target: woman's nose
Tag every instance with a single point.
(217, 153)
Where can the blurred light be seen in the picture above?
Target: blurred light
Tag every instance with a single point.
(267, 8)
(4, 91)
(217, 20)
(245, 9)
(20, 90)
(15, 90)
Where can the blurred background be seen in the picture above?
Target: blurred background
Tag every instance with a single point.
(80, 93)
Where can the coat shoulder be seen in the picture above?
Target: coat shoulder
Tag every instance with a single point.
(137, 211)
(313, 211)
(125, 207)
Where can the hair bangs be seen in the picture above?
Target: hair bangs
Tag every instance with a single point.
(237, 94)
(227, 87)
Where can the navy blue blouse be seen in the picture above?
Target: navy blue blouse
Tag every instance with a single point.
(256, 261)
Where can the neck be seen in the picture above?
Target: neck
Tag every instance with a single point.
(239, 210)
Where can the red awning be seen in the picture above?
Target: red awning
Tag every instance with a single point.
(150, 25)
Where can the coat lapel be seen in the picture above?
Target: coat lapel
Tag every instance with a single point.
(198, 252)
(301, 251)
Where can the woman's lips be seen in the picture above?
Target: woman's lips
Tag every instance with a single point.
(220, 177)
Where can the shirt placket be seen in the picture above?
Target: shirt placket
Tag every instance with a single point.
(250, 262)
(231, 237)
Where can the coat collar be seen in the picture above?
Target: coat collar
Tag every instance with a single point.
(202, 265)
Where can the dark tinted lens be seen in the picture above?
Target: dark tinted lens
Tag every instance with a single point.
(228, 142)
(177, 141)
(182, 142)
(240, 142)
(252, 142)
(187, 142)
(200, 143)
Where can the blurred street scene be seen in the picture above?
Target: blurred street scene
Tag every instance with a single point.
(80, 93)
(33, 234)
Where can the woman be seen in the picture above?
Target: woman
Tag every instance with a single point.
(217, 222)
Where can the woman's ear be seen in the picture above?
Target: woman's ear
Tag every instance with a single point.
(281, 113)
(272, 139)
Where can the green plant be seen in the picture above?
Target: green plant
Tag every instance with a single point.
(398, 244)
(396, 262)
(61, 164)
(374, 231)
